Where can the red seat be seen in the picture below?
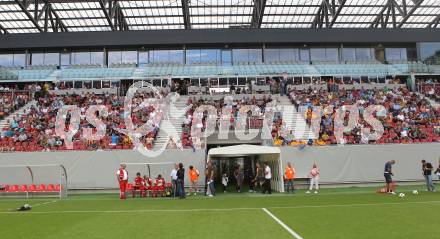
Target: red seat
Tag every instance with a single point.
(13, 188)
(6, 187)
(57, 187)
(32, 188)
(41, 187)
(129, 187)
(50, 188)
(23, 188)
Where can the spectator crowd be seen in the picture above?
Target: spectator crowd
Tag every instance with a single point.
(34, 130)
(407, 117)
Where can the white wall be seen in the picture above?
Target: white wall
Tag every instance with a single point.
(92, 169)
(362, 163)
(359, 163)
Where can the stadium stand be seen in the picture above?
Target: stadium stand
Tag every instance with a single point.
(430, 87)
(208, 69)
(11, 100)
(79, 72)
(31, 73)
(408, 118)
(34, 130)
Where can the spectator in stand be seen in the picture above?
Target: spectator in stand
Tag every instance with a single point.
(427, 173)
(38, 123)
(22, 137)
(314, 178)
(232, 89)
(181, 181)
(115, 140)
(171, 144)
(407, 118)
(283, 85)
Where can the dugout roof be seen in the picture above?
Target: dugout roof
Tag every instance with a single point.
(243, 149)
(35, 16)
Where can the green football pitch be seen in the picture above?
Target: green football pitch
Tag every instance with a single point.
(333, 213)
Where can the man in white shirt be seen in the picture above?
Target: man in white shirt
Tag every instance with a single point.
(122, 177)
(267, 178)
(173, 176)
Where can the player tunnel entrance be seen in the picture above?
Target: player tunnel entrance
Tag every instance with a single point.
(228, 158)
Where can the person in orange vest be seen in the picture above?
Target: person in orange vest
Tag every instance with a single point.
(289, 176)
(122, 177)
(193, 178)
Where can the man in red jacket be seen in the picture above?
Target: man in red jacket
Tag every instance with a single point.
(122, 177)
(139, 185)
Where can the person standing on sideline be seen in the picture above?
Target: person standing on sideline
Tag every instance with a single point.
(314, 178)
(267, 178)
(289, 176)
(238, 174)
(259, 176)
(122, 177)
(387, 174)
(438, 170)
(427, 173)
(209, 173)
(181, 181)
(193, 178)
(173, 176)
(225, 181)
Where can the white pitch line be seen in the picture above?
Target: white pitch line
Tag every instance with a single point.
(141, 211)
(221, 209)
(281, 223)
(354, 205)
(44, 203)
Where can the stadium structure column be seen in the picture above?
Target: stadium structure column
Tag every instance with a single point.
(186, 17)
(257, 13)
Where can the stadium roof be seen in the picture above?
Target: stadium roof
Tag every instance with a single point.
(34, 16)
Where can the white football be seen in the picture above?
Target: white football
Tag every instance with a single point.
(401, 195)
(415, 192)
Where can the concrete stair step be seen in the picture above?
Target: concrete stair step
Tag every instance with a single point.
(3, 123)
(162, 136)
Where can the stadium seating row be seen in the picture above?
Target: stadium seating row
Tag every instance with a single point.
(96, 72)
(31, 188)
(196, 70)
(24, 74)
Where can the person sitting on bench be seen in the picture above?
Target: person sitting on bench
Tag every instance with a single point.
(139, 185)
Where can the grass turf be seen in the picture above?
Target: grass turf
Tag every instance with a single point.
(333, 213)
